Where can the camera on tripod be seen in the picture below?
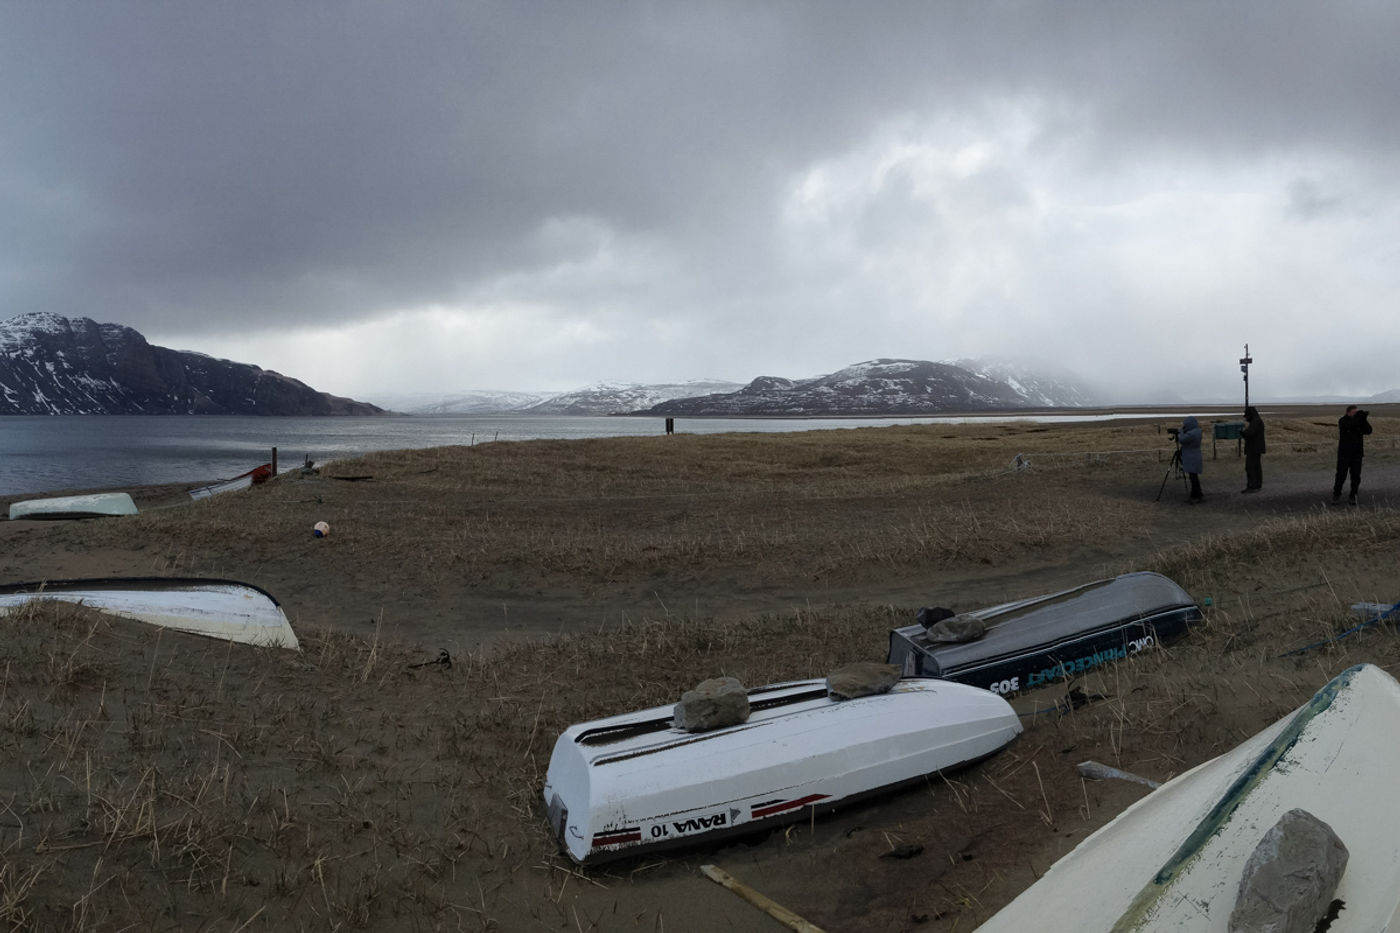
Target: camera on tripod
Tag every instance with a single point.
(1175, 464)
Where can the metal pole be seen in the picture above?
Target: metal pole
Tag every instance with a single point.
(1244, 368)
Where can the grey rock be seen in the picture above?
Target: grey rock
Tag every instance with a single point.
(713, 704)
(1095, 771)
(860, 679)
(959, 628)
(1291, 877)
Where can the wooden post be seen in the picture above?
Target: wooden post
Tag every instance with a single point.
(274, 461)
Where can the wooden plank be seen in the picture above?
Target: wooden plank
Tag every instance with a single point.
(766, 904)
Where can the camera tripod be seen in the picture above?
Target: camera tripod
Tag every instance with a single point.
(1175, 464)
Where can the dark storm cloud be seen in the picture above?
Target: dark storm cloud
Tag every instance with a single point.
(181, 167)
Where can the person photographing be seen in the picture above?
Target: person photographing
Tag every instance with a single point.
(1191, 461)
(1352, 429)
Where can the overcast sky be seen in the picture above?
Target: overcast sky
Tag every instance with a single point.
(432, 197)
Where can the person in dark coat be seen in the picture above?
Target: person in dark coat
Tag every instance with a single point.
(1352, 429)
(1253, 435)
(1191, 460)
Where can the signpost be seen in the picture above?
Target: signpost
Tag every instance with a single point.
(1244, 368)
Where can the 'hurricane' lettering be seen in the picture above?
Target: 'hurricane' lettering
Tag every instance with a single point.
(1069, 668)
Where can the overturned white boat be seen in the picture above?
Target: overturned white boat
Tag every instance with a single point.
(95, 505)
(635, 782)
(218, 608)
(1174, 860)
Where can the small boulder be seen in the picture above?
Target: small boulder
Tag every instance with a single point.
(959, 628)
(928, 615)
(861, 679)
(714, 703)
(1291, 877)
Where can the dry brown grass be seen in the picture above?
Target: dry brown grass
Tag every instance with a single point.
(167, 782)
(829, 505)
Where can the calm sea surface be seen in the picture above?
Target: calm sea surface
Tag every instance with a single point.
(45, 453)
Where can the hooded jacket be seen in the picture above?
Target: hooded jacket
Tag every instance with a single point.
(1190, 438)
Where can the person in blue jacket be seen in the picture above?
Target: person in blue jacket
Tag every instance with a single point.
(1191, 460)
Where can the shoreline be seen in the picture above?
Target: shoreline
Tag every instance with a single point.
(220, 455)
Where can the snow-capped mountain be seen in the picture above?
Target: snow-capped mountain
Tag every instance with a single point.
(877, 387)
(484, 402)
(600, 399)
(1037, 384)
(53, 365)
(605, 399)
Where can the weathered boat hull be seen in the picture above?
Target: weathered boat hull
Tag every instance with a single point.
(257, 474)
(1173, 860)
(635, 783)
(1033, 642)
(218, 608)
(96, 505)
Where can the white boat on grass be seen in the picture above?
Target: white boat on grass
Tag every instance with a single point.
(1173, 860)
(635, 783)
(218, 608)
(96, 505)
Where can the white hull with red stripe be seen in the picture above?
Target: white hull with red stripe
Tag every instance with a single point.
(633, 783)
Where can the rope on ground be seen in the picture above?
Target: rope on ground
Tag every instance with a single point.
(1381, 616)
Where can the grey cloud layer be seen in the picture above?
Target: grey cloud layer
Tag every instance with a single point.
(170, 165)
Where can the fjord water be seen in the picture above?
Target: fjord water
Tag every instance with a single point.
(43, 453)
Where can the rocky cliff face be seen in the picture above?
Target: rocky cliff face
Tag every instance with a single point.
(52, 365)
(878, 387)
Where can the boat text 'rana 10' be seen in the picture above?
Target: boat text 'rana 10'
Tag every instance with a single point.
(636, 782)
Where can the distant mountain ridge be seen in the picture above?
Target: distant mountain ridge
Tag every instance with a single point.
(878, 387)
(620, 399)
(600, 399)
(477, 402)
(885, 387)
(50, 364)
(53, 365)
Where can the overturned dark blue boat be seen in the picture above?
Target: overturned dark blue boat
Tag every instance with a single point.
(1033, 642)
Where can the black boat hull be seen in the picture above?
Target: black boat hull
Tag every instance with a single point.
(1036, 642)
